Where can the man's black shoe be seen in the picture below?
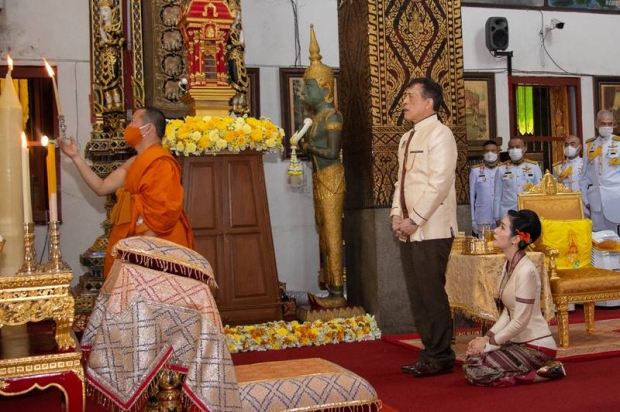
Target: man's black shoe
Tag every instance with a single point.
(424, 370)
(408, 368)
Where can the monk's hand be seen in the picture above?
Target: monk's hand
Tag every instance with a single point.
(70, 149)
(396, 221)
(408, 227)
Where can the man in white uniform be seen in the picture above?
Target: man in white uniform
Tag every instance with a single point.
(481, 188)
(513, 177)
(600, 177)
(568, 171)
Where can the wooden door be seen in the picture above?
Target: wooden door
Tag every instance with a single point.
(226, 201)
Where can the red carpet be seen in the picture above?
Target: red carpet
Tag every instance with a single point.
(589, 386)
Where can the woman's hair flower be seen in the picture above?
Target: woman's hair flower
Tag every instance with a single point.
(524, 237)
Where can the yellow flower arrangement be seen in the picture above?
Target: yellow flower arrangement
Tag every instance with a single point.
(196, 135)
(283, 335)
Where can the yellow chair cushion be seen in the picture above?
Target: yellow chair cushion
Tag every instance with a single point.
(584, 281)
(572, 238)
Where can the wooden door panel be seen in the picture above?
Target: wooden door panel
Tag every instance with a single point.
(200, 179)
(248, 268)
(245, 207)
(210, 247)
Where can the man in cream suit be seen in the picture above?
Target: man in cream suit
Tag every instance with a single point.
(424, 221)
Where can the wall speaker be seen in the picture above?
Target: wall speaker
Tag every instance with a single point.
(496, 31)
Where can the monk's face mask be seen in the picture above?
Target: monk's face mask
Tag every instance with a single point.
(133, 135)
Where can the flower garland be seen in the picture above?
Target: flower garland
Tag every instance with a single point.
(283, 335)
(196, 135)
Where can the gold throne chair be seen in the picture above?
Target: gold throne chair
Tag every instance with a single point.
(553, 201)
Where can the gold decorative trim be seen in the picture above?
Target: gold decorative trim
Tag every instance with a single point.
(36, 365)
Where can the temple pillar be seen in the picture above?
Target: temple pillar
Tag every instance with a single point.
(383, 45)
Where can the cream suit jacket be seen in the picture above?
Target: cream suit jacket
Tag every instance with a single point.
(430, 195)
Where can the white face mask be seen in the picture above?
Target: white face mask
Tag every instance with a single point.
(515, 154)
(570, 151)
(605, 131)
(490, 157)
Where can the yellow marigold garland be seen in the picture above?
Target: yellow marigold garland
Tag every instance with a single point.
(196, 135)
(283, 335)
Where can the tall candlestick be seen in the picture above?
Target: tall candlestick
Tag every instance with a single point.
(26, 180)
(50, 71)
(51, 177)
(11, 218)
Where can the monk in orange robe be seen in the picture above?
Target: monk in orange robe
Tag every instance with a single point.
(148, 186)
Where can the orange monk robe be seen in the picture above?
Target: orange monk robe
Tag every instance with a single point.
(152, 192)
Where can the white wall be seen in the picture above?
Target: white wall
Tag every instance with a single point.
(58, 29)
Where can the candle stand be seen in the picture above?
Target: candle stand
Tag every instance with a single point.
(30, 264)
(55, 263)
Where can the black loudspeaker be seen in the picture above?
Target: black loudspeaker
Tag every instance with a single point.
(496, 31)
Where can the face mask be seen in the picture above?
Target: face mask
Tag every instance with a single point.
(605, 131)
(490, 157)
(570, 151)
(133, 135)
(515, 154)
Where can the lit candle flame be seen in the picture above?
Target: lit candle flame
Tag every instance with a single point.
(44, 141)
(49, 69)
(8, 59)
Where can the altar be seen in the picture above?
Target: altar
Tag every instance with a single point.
(472, 284)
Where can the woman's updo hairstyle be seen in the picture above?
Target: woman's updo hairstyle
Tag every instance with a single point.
(526, 225)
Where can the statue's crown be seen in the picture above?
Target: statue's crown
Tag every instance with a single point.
(106, 3)
(318, 71)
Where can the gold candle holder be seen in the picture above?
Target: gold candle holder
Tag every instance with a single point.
(55, 263)
(30, 256)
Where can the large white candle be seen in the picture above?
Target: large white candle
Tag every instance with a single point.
(26, 180)
(11, 209)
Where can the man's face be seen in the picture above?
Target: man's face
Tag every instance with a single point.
(137, 118)
(415, 106)
(490, 148)
(605, 121)
(572, 141)
(516, 144)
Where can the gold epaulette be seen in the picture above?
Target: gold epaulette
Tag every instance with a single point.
(503, 163)
(477, 165)
(534, 162)
(591, 139)
(617, 138)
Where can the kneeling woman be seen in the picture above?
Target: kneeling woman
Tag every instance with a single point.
(519, 348)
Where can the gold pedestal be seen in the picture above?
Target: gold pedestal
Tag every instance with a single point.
(208, 100)
(36, 297)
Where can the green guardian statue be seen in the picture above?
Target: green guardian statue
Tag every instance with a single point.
(322, 145)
